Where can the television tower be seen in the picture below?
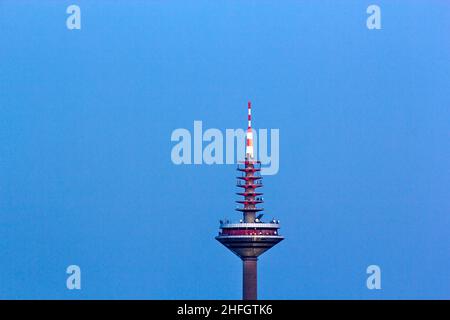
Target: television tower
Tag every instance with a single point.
(251, 237)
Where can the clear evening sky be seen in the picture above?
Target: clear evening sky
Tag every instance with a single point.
(86, 176)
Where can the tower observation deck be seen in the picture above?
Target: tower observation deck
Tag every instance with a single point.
(250, 237)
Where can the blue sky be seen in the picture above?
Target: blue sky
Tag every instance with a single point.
(86, 176)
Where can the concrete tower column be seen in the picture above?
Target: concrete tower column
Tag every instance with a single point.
(249, 278)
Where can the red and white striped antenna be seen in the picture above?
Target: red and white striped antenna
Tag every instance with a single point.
(249, 146)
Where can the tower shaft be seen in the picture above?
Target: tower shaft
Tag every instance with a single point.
(249, 276)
